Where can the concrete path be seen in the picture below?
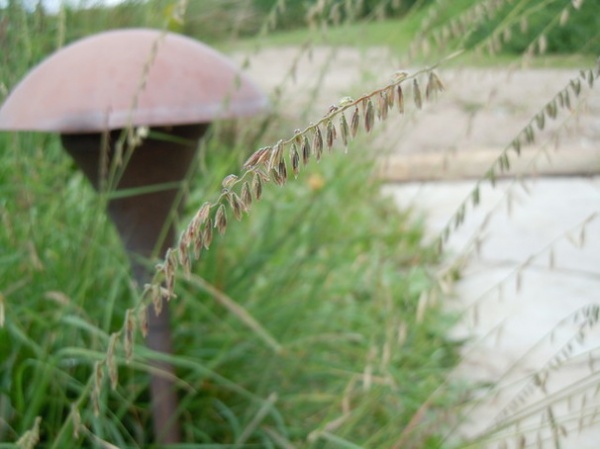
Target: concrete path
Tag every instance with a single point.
(481, 110)
(529, 294)
(536, 281)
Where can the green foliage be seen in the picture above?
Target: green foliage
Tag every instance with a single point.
(278, 263)
(563, 28)
(64, 285)
(362, 8)
(329, 271)
(293, 14)
(314, 322)
(26, 37)
(257, 16)
(566, 30)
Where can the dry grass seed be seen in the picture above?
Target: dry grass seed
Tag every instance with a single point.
(354, 122)
(318, 143)
(344, 130)
(221, 219)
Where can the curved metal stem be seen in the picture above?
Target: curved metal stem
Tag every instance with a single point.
(140, 220)
(164, 398)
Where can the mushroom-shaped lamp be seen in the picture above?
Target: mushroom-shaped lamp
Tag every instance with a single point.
(92, 90)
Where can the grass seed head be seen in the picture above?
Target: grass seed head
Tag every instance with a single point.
(282, 171)
(529, 135)
(331, 134)
(169, 273)
(344, 130)
(399, 76)
(76, 421)
(576, 86)
(110, 361)
(207, 233)
(295, 159)
(390, 96)
(345, 101)
(183, 256)
(30, 438)
(475, 197)
(552, 109)
(98, 378)
(561, 99)
(434, 85)
(400, 99)
(305, 149)
(236, 205)
(129, 331)
(318, 143)
(257, 186)
(157, 299)
(516, 144)
(524, 24)
(298, 136)
(128, 335)
(221, 219)
(542, 44)
(540, 120)
(354, 122)
(187, 235)
(417, 94)
(335, 14)
(257, 158)
(203, 213)
(369, 116)
(382, 106)
(276, 155)
(229, 181)
(564, 17)
(246, 194)
(567, 99)
(170, 265)
(198, 244)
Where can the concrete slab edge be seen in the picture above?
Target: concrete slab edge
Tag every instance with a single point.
(473, 164)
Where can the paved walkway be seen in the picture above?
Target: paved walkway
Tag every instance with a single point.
(528, 294)
(480, 109)
(519, 322)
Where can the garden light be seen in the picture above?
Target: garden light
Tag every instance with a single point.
(130, 106)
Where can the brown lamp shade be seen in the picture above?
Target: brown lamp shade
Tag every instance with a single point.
(127, 78)
(136, 77)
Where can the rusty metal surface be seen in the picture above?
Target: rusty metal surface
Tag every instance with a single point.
(130, 77)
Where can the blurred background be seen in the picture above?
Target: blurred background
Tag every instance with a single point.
(434, 284)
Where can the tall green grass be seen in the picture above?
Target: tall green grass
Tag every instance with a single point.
(325, 344)
(330, 271)
(312, 323)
